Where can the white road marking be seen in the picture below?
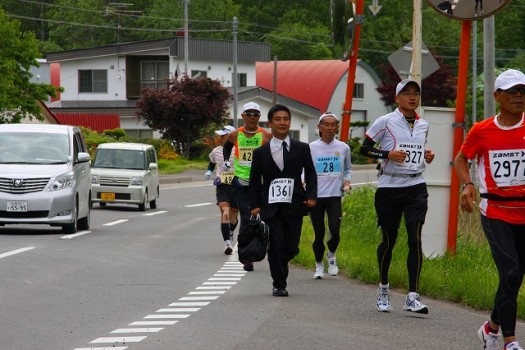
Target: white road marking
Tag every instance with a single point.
(116, 340)
(196, 303)
(167, 316)
(111, 348)
(115, 222)
(181, 309)
(13, 252)
(216, 287)
(136, 330)
(156, 213)
(153, 323)
(224, 279)
(207, 292)
(199, 298)
(81, 233)
(216, 283)
(197, 205)
(229, 275)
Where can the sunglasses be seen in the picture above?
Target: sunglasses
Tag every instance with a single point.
(252, 114)
(513, 90)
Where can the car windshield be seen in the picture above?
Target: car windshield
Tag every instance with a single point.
(119, 159)
(33, 148)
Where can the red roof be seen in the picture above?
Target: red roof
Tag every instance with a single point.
(97, 122)
(310, 82)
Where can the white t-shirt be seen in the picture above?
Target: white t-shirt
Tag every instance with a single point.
(333, 165)
(217, 158)
(393, 132)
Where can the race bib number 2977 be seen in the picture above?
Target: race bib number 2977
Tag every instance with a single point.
(507, 167)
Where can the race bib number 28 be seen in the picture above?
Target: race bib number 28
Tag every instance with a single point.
(281, 190)
(508, 167)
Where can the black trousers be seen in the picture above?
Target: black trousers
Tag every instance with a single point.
(285, 233)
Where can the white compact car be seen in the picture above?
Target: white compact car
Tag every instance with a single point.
(44, 176)
(125, 173)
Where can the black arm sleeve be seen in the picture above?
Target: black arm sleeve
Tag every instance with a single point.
(368, 149)
(227, 150)
(211, 166)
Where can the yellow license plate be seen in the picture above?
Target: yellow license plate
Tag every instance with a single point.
(107, 196)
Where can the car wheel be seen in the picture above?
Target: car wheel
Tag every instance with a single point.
(83, 224)
(72, 227)
(153, 203)
(142, 206)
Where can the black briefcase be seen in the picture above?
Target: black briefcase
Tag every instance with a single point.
(253, 241)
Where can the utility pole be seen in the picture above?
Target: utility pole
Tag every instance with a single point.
(234, 74)
(489, 108)
(186, 40)
(415, 67)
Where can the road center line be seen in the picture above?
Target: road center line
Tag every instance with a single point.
(197, 205)
(75, 235)
(115, 222)
(156, 213)
(13, 252)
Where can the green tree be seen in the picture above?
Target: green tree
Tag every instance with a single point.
(183, 111)
(18, 95)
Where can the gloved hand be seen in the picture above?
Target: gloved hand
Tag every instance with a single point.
(207, 175)
(226, 166)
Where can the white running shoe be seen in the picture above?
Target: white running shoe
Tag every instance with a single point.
(319, 271)
(333, 270)
(513, 346)
(383, 299)
(228, 249)
(413, 303)
(489, 339)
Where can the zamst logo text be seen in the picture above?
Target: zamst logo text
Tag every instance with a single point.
(508, 154)
(410, 145)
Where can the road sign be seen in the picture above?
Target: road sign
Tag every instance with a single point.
(402, 59)
(375, 7)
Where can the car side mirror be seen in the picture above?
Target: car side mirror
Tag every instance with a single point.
(153, 166)
(83, 157)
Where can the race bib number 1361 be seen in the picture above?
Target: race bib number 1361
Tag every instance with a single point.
(281, 191)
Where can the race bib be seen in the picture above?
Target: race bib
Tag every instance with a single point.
(227, 177)
(328, 166)
(245, 156)
(507, 167)
(281, 191)
(415, 156)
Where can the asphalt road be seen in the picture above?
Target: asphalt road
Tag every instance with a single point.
(159, 281)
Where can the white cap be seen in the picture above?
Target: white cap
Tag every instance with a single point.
(327, 114)
(508, 79)
(251, 106)
(225, 130)
(401, 85)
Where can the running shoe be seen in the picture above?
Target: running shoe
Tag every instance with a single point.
(413, 303)
(513, 346)
(383, 299)
(319, 271)
(228, 248)
(332, 266)
(248, 266)
(489, 339)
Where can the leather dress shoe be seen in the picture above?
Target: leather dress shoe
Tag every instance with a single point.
(280, 292)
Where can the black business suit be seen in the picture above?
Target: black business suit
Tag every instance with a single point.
(284, 220)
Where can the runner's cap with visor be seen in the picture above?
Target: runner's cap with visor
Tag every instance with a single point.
(508, 79)
(225, 130)
(403, 83)
(328, 114)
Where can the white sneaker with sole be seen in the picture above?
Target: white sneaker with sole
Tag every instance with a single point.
(383, 299)
(513, 346)
(319, 271)
(228, 248)
(489, 339)
(413, 303)
(333, 270)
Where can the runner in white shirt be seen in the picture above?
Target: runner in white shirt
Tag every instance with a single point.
(401, 189)
(333, 166)
(224, 191)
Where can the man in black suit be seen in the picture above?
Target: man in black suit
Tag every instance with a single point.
(278, 195)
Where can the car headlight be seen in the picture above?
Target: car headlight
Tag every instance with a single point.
(137, 181)
(61, 182)
(94, 179)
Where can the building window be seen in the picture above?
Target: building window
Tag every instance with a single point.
(242, 79)
(199, 74)
(93, 80)
(154, 74)
(359, 90)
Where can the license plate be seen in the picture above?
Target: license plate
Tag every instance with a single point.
(18, 206)
(107, 196)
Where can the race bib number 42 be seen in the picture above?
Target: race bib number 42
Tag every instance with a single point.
(507, 167)
(281, 191)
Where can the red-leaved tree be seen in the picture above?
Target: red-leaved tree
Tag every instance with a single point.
(182, 111)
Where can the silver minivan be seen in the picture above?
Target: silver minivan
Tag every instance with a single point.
(125, 173)
(44, 176)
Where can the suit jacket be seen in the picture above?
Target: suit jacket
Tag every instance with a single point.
(264, 170)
